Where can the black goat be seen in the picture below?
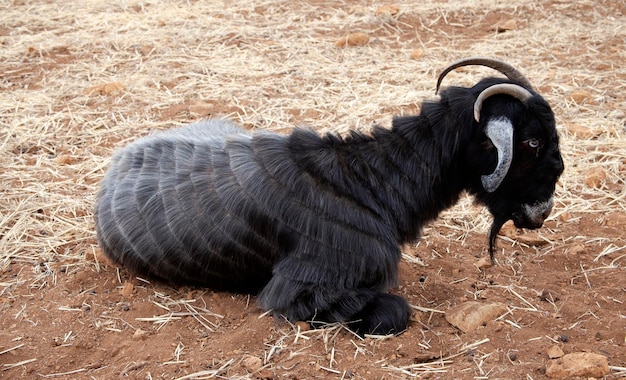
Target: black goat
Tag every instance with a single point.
(314, 223)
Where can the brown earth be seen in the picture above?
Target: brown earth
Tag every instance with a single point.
(79, 81)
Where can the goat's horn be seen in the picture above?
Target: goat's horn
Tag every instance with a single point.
(513, 90)
(500, 132)
(509, 71)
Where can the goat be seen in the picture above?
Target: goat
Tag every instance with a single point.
(314, 224)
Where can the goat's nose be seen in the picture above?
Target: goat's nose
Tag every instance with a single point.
(548, 211)
(537, 212)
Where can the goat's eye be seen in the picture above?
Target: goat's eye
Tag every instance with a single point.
(533, 143)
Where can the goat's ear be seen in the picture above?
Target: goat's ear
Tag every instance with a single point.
(500, 132)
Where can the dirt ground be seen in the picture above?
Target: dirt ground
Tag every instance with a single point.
(80, 79)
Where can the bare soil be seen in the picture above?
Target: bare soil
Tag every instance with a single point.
(79, 80)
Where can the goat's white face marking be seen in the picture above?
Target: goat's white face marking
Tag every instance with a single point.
(537, 212)
(500, 132)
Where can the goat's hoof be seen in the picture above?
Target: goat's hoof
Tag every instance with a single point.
(384, 315)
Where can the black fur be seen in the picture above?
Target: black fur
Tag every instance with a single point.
(313, 224)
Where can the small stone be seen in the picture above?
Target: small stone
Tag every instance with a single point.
(484, 263)
(140, 334)
(581, 132)
(353, 39)
(390, 9)
(580, 96)
(64, 159)
(548, 295)
(105, 89)
(532, 238)
(201, 108)
(145, 50)
(479, 286)
(252, 363)
(417, 53)
(615, 219)
(303, 326)
(127, 289)
(555, 352)
(576, 249)
(470, 315)
(265, 374)
(513, 356)
(101, 257)
(595, 177)
(578, 364)
(509, 230)
(565, 217)
(504, 26)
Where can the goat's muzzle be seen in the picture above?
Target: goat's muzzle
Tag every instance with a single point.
(533, 216)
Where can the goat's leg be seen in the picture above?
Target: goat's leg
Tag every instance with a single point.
(384, 314)
(365, 311)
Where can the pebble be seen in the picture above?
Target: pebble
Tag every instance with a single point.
(595, 177)
(390, 10)
(578, 364)
(580, 96)
(565, 217)
(470, 315)
(255, 366)
(140, 334)
(548, 295)
(304, 326)
(105, 89)
(417, 53)
(127, 289)
(505, 26)
(484, 263)
(353, 39)
(576, 249)
(555, 352)
(615, 219)
(252, 363)
(581, 132)
(532, 238)
(64, 159)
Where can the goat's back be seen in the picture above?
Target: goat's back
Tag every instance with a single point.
(172, 205)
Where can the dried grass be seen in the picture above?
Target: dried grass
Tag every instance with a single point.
(177, 309)
(272, 65)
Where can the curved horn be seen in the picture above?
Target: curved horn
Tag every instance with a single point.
(500, 132)
(509, 71)
(516, 91)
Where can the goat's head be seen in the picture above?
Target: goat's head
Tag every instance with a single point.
(518, 149)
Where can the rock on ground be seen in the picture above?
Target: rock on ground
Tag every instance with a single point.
(578, 364)
(470, 315)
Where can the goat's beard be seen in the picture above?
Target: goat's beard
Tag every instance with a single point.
(498, 222)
